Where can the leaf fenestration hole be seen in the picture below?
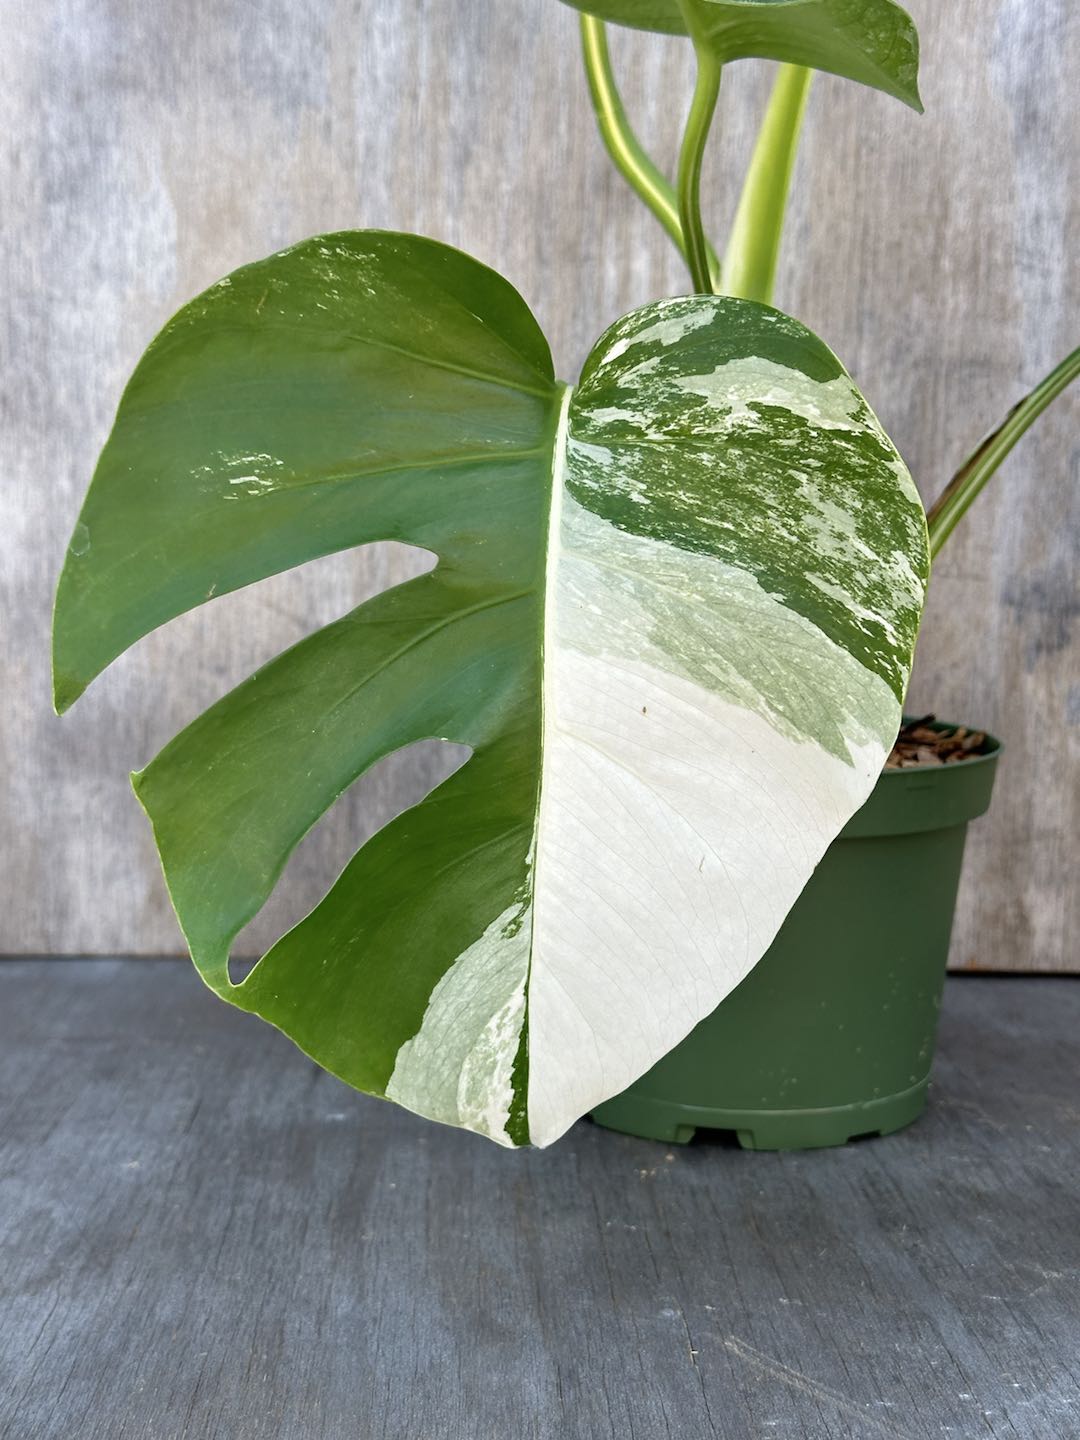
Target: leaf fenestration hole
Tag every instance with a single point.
(393, 785)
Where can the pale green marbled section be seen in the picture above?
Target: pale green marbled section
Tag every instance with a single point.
(690, 615)
(459, 1066)
(728, 429)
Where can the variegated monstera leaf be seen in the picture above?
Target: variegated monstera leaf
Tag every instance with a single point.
(871, 41)
(673, 615)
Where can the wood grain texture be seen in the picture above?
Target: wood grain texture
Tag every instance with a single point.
(146, 150)
(204, 1236)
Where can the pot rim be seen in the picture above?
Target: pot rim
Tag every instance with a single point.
(994, 748)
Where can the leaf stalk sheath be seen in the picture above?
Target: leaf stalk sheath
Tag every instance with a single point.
(749, 270)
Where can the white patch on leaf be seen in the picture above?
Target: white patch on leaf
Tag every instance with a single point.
(459, 1066)
(668, 329)
(753, 381)
(681, 820)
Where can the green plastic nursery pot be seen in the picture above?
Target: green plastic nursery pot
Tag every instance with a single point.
(831, 1035)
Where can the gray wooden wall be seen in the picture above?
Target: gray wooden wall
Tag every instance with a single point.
(148, 149)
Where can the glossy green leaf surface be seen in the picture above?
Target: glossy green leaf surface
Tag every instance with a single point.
(672, 618)
(871, 41)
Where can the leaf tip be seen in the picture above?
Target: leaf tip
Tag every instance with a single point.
(65, 691)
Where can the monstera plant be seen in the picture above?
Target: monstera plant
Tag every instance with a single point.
(672, 617)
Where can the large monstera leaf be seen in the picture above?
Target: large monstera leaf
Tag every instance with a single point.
(872, 41)
(672, 617)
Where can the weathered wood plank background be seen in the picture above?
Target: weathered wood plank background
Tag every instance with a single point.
(148, 149)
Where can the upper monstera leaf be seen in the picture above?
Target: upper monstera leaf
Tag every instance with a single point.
(872, 41)
(673, 615)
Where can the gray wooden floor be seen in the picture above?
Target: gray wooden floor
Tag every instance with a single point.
(202, 1235)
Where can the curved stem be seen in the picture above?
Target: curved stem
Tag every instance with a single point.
(631, 159)
(754, 245)
(952, 504)
(695, 138)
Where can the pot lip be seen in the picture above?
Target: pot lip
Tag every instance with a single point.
(990, 755)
